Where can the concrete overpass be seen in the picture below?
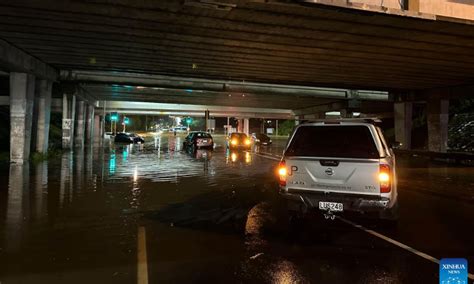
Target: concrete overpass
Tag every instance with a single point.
(258, 54)
(193, 110)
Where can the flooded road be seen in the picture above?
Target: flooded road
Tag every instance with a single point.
(157, 213)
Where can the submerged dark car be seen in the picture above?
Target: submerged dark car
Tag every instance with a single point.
(198, 139)
(136, 138)
(261, 139)
(128, 138)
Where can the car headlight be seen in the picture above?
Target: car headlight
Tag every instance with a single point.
(233, 142)
(247, 141)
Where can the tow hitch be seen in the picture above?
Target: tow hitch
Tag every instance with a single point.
(329, 215)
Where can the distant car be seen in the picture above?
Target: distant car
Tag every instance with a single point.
(179, 129)
(123, 138)
(128, 138)
(198, 139)
(261, 139)
(108, 135)
(238, 140)
(338, 166)
(136, 138)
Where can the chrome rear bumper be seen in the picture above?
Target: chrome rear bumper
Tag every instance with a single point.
(303, 201)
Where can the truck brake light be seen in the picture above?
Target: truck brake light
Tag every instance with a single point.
(385, 178)
(282, 172)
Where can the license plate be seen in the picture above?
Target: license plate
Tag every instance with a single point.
(204, 141)
(332, 206)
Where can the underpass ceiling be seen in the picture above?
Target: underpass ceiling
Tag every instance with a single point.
(251, 41)
(202, 97)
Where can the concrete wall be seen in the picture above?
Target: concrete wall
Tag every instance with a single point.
(394, 4)
(463, 9)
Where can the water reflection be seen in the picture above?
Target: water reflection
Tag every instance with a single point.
(135, 201)
(199, 154)
(238, 157)
(66, 181)
(65, 185)
(41, 185)
(125, 152)
(17, 205)
(112, 162)
(175, 144)
(285, 272)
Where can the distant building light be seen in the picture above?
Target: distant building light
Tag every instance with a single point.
(356, 114)
(140, 87)
(333, 113)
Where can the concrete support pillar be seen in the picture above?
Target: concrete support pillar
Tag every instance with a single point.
(43, 111)
(206, 117)
(438, 118)
(240, 125)
(262, 126)
(276, 125)
(69, 110)
(246, 126)
(80, 124)
(403, 123)
(97, 132)
(90, 124)
(22, 88)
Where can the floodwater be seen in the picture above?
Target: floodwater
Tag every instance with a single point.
(212, 216)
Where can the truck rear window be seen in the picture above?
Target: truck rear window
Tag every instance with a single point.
(343, 141)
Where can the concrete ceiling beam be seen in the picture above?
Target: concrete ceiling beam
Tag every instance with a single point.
(334, 106)
(13, 59)
(175, 84)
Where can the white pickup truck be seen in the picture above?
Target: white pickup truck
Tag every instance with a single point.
(338, 166)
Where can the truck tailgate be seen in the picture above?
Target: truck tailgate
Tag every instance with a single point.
(354, 176)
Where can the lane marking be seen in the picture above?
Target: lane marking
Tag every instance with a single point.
(396, 243)
(142, 262)
(275, 158)
(383, 237)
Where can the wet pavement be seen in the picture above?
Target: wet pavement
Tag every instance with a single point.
(116, 213)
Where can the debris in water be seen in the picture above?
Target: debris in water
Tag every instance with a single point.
(257, 255)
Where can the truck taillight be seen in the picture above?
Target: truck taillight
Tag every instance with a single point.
(385, 179)
(282, 172)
